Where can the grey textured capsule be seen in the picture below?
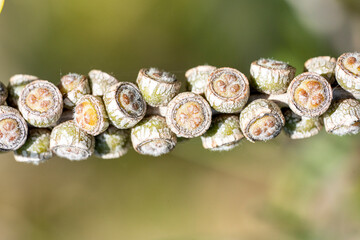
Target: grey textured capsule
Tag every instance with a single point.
(347, 72)
(197, 78)
(100, 82)
(73, 86)
(323, 65)
(113, 143)
(16, 84)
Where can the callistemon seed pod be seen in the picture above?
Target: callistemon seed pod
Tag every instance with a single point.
(16, 84)
(100, 82)
(298, 127)
(309, 95)
(113, 143)
(347, 72)
(227, 90)
(3, 93)
(157, 87)
(68, 141)
(13, 129)
(224, 133)
(261, 120)
(124, 104)
(90, 115)
(197, 78)
(73, 86)
(36, 148)
(343, 117)
(271, 76)
(41, 103)
(152, 136)
(323, 65)
(188, 115)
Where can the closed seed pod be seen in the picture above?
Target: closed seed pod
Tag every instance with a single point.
(261, 120)
(188, 115)
(3, 93)
(323, 65)
(347, 72)
(73, 86)
(297, 127)
(224, 133)
(124, 104)
(343, 117)
(227, 90)
(16, 84)
(90, 115)
(68, 141)
(113, 143)
(309, 95)
(100, 82)
(153, 137)
(157, 87)
(36, 148)
(13, 129)
(197, 78)
(271, 76)
(41, 103)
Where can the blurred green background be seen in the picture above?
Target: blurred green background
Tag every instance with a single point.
(305, 189)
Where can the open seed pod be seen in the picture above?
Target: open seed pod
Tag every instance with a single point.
(113, 143)
(347, 72)
(73, 86)
(16, 84)
(323, 65)
(100, 82)
(197, 78)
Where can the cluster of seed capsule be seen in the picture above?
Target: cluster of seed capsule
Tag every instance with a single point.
(97, 114)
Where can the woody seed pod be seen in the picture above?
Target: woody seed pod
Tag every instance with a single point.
(227, 90)
(73, 86)
(124, 104)
(153, 137)
(16, 84)
(197, 78)
(188, 115)
(347, 72)
(324, 66)
(100, 82)
(113, 143)
(3, 93)
(261, 120)
(271, 76)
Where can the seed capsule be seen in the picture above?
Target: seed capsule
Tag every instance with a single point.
(197, 78)
(261, 120)
(124, 104)
(73, 86)
(13, 129)
(3, 93)
(309, 95)
(324, 66)
(100, 82)
(343, 117)
(113, 143)
(227, 90)
(36, 148)
(16, 84)
(41, 103)
(297, 127)
(90, 115)
(271, 76)
(188, 115)
(153, 137)
(347, 72)
(157, 87)
(69, 141)
(224, 133)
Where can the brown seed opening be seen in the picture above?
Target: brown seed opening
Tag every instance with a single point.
(309, 94)
(9, 131)
(86, 115)
(263, 128)
(189, 116)
(227, 85)
(39, 99)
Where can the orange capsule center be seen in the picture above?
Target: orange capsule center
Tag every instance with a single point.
(352, 64)
(68, 83)
(309, 94)
(227, 85)
(263, 128)
(9, 131)
(86, 115)
(190, 116)
(40, 99)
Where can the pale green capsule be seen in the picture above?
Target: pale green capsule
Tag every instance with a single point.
(113, 143)
(297, 127)
(197, 78)
(73, 86)
(100, 82)
(347, 72)
(16, 84)
(323, 65)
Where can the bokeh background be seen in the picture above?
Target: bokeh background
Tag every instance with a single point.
(305, 189)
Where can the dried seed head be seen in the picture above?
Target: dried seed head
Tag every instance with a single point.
(309, 95)
(224, 133)
(3, 93)
(16, 84)
(261, 120)
(188, 115)
(36, 148)
(197, 78)
(113, 143)
(69, 141)
(124, 104)
(324, 66)
(13, 129)
(157, 87)
(271, 76)
(343, 117)
(347, 72)
(227, 90)
(100, 82)
(153, 137)
(297, 127)
(73, 86)
(41, 103)
(90, 115)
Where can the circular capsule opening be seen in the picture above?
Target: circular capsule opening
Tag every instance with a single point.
(70, 81)
(227, 85)
(130, 100)
(264, 128)
(155, 147)
(310, 94)
(352, 63)
(270, 63)
(159, 75)
(40, 99)
(189, 116)
(9, 132)
(86, 115)
(71, 152)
